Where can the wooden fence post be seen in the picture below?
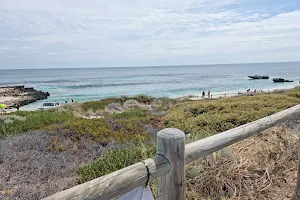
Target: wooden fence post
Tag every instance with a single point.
(171, 145)
(296, 195)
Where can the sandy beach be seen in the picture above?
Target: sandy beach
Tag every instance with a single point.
(233, 94)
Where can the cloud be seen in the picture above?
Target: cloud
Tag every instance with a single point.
(134, 32)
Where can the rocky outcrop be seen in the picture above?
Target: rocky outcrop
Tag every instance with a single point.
(17, 96)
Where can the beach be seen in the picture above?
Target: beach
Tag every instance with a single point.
(233, 94)
(195, 97)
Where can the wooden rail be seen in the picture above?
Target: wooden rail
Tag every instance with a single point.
(168, 165)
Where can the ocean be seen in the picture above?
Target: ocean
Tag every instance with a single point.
(168, 81)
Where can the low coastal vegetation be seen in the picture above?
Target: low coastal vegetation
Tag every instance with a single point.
(125, 128)
(115, 160)
(103, 130)
(205, 118)
(20, 122)
(100, 105)
(295, 92)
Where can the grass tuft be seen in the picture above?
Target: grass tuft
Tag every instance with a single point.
(115, 160)
(262, 167)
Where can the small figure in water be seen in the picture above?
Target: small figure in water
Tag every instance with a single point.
(66, 101)
(203, 94)
(208, 94)
(18, 107)
(72, 101)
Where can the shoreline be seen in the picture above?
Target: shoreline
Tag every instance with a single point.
(235, 94)
(34, 105)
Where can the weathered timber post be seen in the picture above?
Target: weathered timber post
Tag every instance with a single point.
(296, 195)
(171, 145)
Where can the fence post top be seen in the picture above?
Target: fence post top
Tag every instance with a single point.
(171, 133)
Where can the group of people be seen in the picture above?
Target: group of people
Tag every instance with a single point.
(255, 91)
(71, 100)
(209, 94)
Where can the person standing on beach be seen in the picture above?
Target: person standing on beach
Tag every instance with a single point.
(203, 94)
(208, 94)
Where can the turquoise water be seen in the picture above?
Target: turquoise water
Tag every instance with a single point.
(173, 81)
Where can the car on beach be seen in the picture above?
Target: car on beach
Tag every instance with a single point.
(2, 111)
(49, 105)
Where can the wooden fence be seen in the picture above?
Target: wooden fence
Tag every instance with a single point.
(169, 163)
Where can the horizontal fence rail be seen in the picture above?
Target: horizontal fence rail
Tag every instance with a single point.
(165, 166)
(116, 183)
(217, 142)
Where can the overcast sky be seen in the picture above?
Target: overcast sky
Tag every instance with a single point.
(105, 33)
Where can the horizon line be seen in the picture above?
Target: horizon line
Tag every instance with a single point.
(147, 66)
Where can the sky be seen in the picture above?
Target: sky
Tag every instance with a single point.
(116, 33)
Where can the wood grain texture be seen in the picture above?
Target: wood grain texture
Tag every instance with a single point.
(116, 183)
(171, 144)
(217, 142)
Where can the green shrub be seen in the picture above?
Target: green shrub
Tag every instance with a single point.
(115, 160)
(145, 99)
(100, 105)
(102, 130)
(31, 120)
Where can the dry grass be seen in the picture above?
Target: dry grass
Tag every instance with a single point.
(262, 167)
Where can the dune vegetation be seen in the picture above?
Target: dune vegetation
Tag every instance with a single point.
(206, 118)
(20, 122)
(295, 92)
(126, 127)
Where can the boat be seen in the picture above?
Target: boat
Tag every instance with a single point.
(281, 80)
(258, 77)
